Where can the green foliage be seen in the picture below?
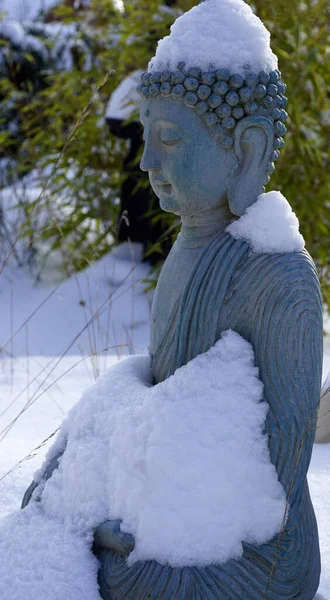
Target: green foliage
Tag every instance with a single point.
(300, 38)
(82, 161)
(66, 136)
(60, 126)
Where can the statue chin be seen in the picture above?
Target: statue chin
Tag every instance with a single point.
(164, 193)
(168, 203)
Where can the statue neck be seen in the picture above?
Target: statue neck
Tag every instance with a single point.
(196, 230)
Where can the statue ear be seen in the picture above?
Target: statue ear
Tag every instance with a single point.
(253, 145)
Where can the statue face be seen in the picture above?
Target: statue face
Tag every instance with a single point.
(188, 170)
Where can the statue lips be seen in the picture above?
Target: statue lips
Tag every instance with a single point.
(161, 185)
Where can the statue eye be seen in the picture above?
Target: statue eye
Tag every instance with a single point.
(170, 138)
(171, 142)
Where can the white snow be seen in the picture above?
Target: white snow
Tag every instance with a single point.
(326, 384)
(125, 99)
(64, 37)
(102, 308)
(269, 225)
(36, 394)
(174, 453)
(319, 482)
(24, 10)
(222, 33)
(179, 453)
(13, 31)
(43, 560)
(17, 35)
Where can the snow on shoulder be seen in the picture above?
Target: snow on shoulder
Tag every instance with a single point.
(174, 454)
(269, 225)
(218, 33)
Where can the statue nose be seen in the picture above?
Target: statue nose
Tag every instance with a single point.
(151, 160)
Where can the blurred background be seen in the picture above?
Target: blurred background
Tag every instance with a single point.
(70, 142)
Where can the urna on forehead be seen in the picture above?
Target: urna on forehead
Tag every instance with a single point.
(218, 62)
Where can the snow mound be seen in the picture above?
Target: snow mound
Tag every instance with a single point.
(42, 560)
(269, 225)
(184, 464)
(221, 33)
(175, 453)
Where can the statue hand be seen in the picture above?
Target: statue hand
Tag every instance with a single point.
(51, 467)
(108, 535)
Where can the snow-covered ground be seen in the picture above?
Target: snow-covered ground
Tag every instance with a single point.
(102, 307)
(50, 358)
(55, 341)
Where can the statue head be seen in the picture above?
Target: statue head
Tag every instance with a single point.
(213, 109)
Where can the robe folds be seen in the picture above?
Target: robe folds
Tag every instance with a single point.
(274, 302)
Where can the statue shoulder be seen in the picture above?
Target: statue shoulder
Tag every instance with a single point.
(271, 291)
(289, 276)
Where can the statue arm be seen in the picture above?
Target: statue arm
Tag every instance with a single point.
(288, 346)
(107, 535)
(53, 464)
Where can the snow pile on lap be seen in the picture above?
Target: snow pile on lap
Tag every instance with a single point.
(190, 469)
(269, 225)
(173, 454)
(217, 33)
(184, 464)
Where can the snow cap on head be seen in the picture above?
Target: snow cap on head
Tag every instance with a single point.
(217, 34)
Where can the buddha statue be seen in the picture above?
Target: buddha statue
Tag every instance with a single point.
(212, 135)
(213, 130)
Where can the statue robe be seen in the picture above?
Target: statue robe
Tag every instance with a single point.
(274, 302)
